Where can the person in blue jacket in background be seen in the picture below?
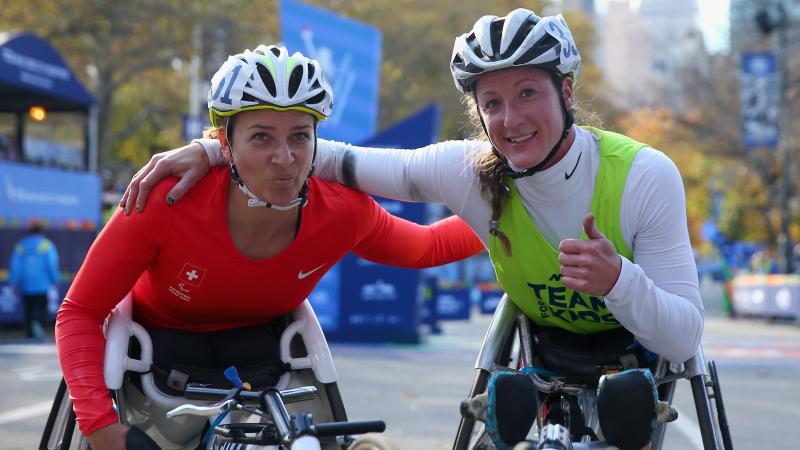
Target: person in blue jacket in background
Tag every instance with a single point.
(33, 271)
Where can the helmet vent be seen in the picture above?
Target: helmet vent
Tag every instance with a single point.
(474, 46)
(275, 51)
(520, 36)
(317, 98)
(266, 77)
(294, 80)
(496, 33)
(545, 44)
(472, 68)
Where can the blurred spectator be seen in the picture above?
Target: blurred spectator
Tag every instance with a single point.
(33, 271)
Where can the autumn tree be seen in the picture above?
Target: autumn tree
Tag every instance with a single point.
(753, 178)
(126, 51)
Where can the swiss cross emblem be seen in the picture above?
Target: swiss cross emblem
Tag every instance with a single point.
(191, 274)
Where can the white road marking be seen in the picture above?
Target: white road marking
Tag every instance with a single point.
(37, 373)
(21, 349)
(26, 412)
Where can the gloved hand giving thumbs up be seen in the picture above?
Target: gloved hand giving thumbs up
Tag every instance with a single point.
(590, 266)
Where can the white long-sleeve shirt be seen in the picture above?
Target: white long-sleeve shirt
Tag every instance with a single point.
(656, 298)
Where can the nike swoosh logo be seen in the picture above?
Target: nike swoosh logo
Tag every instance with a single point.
(301, 274)
(568, 175)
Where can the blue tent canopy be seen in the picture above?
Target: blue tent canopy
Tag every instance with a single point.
(33, 73)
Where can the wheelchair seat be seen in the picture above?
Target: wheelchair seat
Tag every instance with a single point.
(510, 343)
(121, 328)
(302, 347)
(583, 359)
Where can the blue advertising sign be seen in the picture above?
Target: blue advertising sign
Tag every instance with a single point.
(325, 300)
(489, 301)
(379, 303)
(11, 304)
(350, 54)
(29, 62)
(59, 196)
(452, 304)
(423, 127)
(760, 100)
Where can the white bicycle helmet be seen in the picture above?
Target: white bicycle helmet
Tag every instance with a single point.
(269, 78)
(519, 39)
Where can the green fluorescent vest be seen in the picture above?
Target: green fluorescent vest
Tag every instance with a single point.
(531, 276)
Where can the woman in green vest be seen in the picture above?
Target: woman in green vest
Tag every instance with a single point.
(586, 228)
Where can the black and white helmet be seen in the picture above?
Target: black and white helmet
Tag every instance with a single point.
(269, 77)
(519, 39)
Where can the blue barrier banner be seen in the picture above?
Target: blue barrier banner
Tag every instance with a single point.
(379, 303)
(489, 301)
(760, 100)
(325, 300)
(767, 296)
(452, 304)
(415, 131)
(11, 308)
(29, 62)
(350, 53)
(54, 195)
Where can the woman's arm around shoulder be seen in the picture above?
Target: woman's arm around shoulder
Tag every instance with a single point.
(437, 173)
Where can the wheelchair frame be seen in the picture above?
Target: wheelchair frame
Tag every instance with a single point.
(498, 352)
(303, 335)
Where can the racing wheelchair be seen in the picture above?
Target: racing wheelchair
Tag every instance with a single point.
(303, 406)
(509, 355)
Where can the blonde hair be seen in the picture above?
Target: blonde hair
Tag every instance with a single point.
(211, 132)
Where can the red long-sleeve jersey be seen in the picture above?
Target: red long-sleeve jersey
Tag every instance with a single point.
(185, 273)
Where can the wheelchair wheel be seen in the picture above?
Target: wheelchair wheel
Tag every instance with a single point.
(60, 431)
(722, 419)
(372, 441)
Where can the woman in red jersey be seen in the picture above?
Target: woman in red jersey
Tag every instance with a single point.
(247, 245)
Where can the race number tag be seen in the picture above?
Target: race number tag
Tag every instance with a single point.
(557, 27)
(229, 90)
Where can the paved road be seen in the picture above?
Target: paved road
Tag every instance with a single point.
(416, 389)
